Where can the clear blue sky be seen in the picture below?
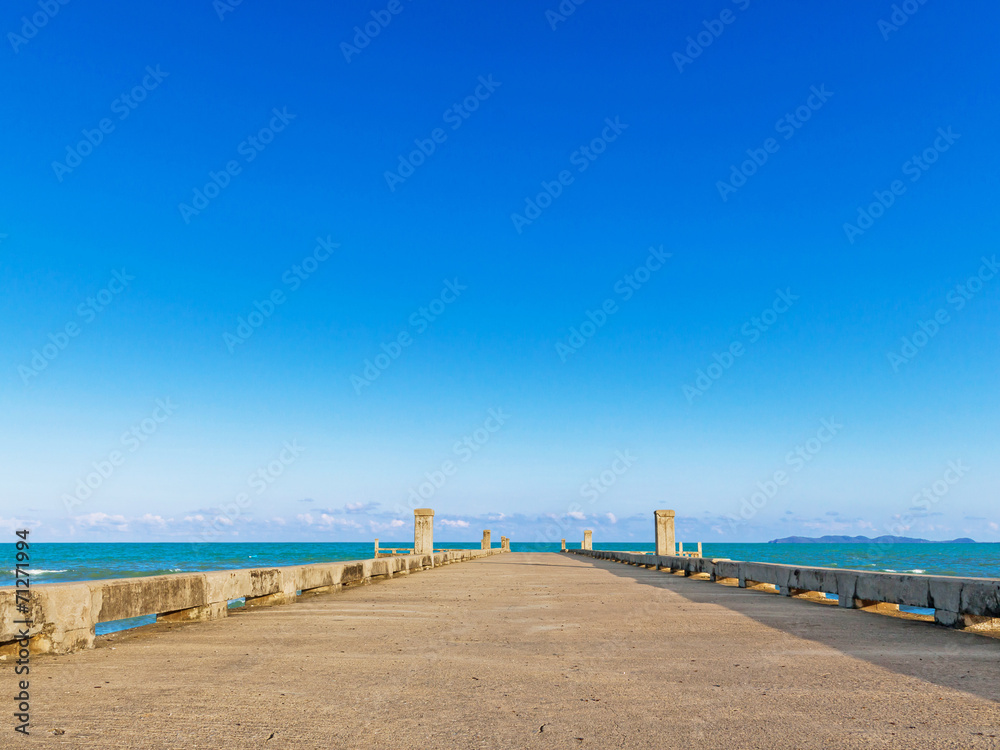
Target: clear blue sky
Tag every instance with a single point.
(475, 291)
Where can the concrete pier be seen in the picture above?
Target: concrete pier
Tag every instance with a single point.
(526, 651)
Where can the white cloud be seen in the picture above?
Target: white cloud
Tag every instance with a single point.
(454, 524)
(611, 517)
(102, 522)
(577, 515)
(149, 519)
(328, 521)
(16, 524)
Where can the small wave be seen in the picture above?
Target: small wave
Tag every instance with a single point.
(176, 570)
(889, 570)
(38, 571)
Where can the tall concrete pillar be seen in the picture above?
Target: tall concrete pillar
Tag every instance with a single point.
(563, 545)
(486, 539)
(376, 548)
(588, 539)
(664, 532)
(423, 531)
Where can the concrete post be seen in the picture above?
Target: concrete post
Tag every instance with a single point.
(486, 539)
(423, 531)
(664, 532)
(588, 539)
(699, 549)
(563, 545)
(376, 548)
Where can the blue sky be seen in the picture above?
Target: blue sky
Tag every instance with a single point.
(267, 276)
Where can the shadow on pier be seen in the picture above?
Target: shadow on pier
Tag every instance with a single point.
(938, 655)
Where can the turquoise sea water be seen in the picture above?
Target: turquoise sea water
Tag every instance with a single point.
(53, 563)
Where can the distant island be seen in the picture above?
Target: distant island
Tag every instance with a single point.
(865, 540)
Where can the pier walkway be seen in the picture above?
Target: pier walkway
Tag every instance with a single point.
(525, 651)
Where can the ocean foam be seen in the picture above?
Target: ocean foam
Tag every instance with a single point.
(37, 571)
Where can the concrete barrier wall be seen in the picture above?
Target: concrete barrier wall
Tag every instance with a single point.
(63, 615)
(957, 602)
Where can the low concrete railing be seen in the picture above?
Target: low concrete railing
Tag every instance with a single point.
(957, 602)
(63, 615)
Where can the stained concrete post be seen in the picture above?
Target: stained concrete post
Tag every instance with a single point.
(588, 539)
(376, 548)
(423, 531)
(563, 545)
(486, 539)
(664, 532)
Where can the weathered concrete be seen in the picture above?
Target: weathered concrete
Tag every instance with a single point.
(588, 537)
(423, 531)
(64, 615)
(486, 543)
(958, 602)
(526, 651)
(664, 523)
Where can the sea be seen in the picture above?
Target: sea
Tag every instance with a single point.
(66, 562)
